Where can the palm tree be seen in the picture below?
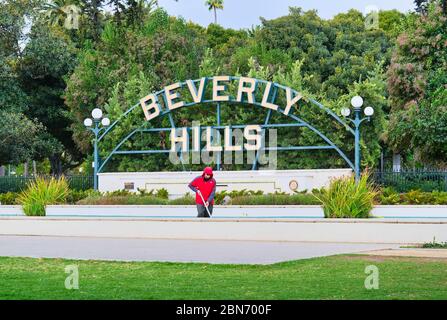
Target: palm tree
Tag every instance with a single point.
(55, 11)
(214, 5)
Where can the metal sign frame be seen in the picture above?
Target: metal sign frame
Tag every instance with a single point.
(296, 122)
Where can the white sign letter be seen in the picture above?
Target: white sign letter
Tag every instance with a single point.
(183, 139)
(291, 101)
(229, 141)
(171, 96)
(197, 95)
(250, 91)
(265, 99)
(150, 103)
(217, 88)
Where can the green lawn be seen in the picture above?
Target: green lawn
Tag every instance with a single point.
(337, 277)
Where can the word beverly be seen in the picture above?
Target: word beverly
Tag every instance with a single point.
(246, 88)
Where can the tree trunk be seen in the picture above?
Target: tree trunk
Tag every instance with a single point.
(2, 171)
(215, 16)
(34, 168)
(56, 165)
(25, 169)
(96, 22)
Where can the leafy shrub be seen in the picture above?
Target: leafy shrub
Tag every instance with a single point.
(76, 195)
(417, 197)
(8, 198)
(388, 196)
(185, 201)
(42, 192)
(439, 198)
(117, 193)
(346, 199)
(276, 199)
(435, 245)
(219, 197)
(162, 193)
(146, 201)
(122, 200)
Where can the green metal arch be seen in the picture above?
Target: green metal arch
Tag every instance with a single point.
(298, 123)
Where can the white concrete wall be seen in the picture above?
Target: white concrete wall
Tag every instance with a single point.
(319, 230)
(11, 211)
(185, 211)
(265, 180)
(388, 212)
(415, 212)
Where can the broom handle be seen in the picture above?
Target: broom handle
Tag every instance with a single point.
(204, 203)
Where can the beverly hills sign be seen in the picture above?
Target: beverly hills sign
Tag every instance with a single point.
(192, 92)
(224, 91)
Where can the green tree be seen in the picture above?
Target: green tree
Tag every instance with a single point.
(417, 83)
(31, 85)
(127, 64)
(22, 139)
(390, 21)
(47, 59)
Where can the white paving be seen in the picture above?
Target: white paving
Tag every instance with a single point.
(226, 252)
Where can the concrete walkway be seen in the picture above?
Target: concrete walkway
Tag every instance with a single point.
(226, 252)
(410, 252)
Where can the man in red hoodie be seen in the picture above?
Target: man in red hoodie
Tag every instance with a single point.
(206, 185)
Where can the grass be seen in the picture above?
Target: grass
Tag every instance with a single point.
(337, 277)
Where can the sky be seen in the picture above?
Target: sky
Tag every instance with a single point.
(239, 14)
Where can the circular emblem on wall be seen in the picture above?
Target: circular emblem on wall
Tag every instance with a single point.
(293, 185)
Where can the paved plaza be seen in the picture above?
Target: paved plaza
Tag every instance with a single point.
(226, 252)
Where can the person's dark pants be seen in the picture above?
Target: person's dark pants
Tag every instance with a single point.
(201, 209)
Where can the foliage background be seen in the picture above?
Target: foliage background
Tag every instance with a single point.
(52, 77)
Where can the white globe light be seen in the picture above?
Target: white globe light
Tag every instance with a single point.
(97, 114)
(105, 122)
(369, 111)
(357, 102)
(345, 112)
(88, 122)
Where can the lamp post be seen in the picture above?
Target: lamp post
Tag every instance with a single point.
(357, 103)
(96, 129)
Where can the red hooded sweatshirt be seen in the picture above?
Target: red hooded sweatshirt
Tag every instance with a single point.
(206, 187)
